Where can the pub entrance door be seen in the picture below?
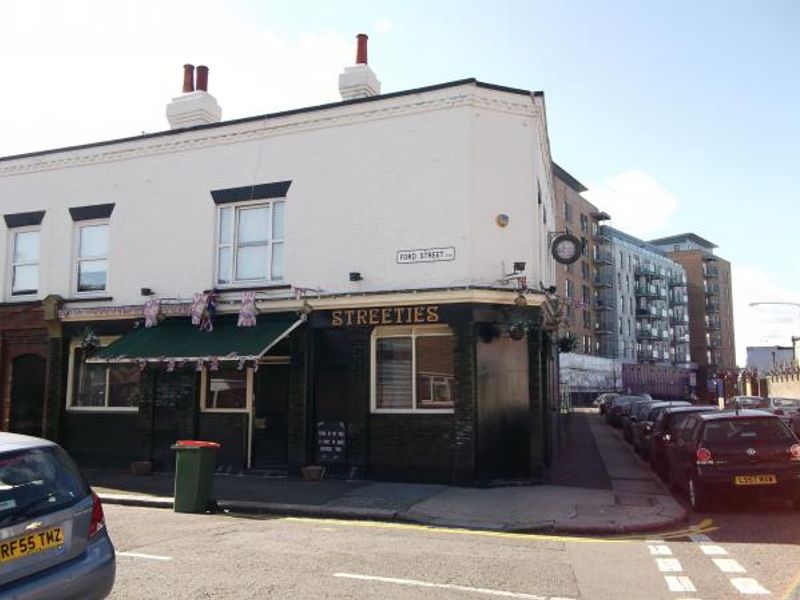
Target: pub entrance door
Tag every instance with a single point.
(271, 415)
(28, 374)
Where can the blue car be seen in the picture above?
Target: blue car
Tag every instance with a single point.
(53, 539)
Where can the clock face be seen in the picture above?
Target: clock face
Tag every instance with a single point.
(566, 248)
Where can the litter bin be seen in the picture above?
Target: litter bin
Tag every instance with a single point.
(194, 470)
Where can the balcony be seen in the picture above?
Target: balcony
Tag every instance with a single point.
(645, 333)
(713, 324)
(601, 236)
(648, 312)
(677, 280)
(645, 290)
(679, 299)
(650, 271)
(679, 319)
(602, 305)
(602, 257)
(711, 289)
(603, 281)
(710, 271)
(712, 307)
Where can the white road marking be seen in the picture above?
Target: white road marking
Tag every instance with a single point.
(447, 586)
(700, 538)
(748, 585)
(147, 556)
(713, 550)
(679, 583)
(729, 565)
(669, 565)
(660, 550)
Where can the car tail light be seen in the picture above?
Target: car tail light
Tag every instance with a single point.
(98, 518)
(794, 452)
(704, 457)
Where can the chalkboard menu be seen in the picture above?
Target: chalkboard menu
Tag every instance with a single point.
(331, 441)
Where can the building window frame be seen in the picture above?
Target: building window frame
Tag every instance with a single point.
(71, 381)
(415, 332)
(81, 259)
(206, 377)
(227, 239)
(14, 263)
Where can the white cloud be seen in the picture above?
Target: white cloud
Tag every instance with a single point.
(765, 324)
(637, 202)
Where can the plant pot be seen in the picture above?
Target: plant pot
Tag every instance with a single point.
(313, 473)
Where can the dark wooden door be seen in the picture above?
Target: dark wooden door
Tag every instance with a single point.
(270, 418)
(28, 374)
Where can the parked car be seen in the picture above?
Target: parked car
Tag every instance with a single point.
(736, 453)
(746, 402)
(602, 400)
(662, 434)
(642, 428)
(631, 413)
(615, 409)
(788, 408)
(53, 539)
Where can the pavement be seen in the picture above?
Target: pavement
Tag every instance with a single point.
(596, 486)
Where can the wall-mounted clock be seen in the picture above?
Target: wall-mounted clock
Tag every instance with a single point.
(566, 248)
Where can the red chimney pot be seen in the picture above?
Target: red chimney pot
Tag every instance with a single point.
(361, 52)
(188, 78)
(202, 78)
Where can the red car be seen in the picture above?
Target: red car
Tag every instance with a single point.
(733, 453)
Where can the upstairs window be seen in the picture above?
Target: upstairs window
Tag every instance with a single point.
(250, 243)
(92, 267)
(25, 262)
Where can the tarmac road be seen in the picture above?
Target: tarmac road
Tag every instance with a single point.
(162, 554)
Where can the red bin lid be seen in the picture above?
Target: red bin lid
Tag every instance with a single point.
(196, 444)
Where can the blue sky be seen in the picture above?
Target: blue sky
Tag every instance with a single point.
(680, 116)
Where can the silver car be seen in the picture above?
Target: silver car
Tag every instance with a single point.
(53, 540)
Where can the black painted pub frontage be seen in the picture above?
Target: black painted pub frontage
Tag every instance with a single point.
(401, 387)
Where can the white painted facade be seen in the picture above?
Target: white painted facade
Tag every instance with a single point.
(431, 169)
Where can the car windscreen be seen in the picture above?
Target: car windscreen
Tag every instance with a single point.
(786, 402)
(746, 431)
(37, 481)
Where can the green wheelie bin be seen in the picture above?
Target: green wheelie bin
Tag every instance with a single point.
(194, 471)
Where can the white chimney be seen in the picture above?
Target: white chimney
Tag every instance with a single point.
(359, 81)
(195, 106)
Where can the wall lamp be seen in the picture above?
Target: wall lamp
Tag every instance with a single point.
(519, 266)
(146, 291)
(355, 276)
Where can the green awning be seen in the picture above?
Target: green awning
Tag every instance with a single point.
(182, 341)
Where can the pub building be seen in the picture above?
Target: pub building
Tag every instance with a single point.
(363, 285)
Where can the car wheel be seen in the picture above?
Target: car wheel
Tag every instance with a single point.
(698, 497)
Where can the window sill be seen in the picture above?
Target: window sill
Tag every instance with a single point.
(235, 411)
(411, 411)
(251, 288)
(20, 300)
(89, 299)
(103, 409)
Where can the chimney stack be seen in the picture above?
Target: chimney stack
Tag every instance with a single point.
(361, 49)
(195, 106)
(188, 78)
(202, 78)
(359, 81)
